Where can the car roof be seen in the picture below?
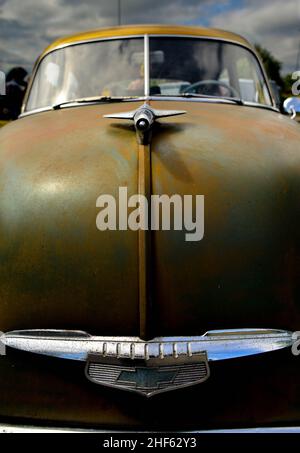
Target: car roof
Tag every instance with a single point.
(132, 30)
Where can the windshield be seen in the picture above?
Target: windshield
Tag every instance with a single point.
(177, 66)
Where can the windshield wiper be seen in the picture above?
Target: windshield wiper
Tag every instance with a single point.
(217, 98)
(100, 99)
(92, 100)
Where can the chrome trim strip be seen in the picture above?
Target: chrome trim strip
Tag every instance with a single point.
(156, 98)
(218, 344)
(73, 104)
(264, 430)
(26, 429)
(151, 35)
(92, 40)
(34, 111)
(146, 66)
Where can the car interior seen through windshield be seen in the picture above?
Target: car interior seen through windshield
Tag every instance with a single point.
(178, 66)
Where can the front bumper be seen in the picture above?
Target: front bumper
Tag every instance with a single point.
(22, 429)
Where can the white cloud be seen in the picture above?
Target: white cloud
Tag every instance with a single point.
(274, 24)
(28, 26)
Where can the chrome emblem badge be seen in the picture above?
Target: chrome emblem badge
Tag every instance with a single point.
(148, 367)
(147, 377)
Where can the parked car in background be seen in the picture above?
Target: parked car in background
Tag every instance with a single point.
(99, 317)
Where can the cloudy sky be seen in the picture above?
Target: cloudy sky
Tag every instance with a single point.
(28, 26)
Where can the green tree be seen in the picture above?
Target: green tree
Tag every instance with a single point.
(287, 87)
(271, 64)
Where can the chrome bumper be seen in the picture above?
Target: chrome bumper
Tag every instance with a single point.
(148, 367)
(22, 429)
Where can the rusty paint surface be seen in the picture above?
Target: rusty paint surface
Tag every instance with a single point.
(57, 268)
(58, 271)
(246, 162)
(144, 238)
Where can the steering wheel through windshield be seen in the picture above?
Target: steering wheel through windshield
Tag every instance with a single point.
(212, 88)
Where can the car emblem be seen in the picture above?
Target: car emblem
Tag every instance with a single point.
(148, 367)
(147, 377)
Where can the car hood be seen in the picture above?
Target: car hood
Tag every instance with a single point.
(59, 271)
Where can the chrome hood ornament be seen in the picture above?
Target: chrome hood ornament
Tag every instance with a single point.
(148, 367)
(144, 118)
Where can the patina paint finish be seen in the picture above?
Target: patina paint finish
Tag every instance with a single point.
(59, 271)
(157, 29)
(245, 272)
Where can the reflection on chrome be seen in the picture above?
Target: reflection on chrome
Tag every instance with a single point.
(218, 344)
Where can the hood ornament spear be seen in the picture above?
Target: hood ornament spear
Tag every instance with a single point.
(144, 118)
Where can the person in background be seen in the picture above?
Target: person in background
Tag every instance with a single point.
(16, 84)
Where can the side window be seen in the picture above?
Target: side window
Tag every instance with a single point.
(247, 83)
(251, 84)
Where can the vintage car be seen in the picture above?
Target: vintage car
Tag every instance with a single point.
(149, 238)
